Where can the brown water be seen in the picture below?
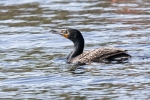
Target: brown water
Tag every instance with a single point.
(32, 60)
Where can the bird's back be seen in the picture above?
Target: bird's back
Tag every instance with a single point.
(101, 55)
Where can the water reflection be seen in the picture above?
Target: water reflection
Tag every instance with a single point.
(32, 59)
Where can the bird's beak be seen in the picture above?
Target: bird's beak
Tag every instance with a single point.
(55, 32)
(61, 32)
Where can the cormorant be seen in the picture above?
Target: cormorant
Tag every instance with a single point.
(103, 54)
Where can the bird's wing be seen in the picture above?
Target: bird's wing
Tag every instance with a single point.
(98, 54)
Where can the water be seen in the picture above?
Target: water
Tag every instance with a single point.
(32, 60)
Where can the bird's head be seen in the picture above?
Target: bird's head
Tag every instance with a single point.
(71, 34)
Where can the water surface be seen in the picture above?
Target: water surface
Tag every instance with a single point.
(32, 60)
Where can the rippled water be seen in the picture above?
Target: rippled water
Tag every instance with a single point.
(32, 60)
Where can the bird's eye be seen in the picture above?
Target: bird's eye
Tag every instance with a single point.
(65, 32)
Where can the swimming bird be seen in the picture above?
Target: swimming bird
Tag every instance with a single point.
(103, 54)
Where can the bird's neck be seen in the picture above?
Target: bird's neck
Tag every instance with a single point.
(78, 49)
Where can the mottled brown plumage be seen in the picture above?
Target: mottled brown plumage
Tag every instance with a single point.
(100, 55)
(104, 54)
